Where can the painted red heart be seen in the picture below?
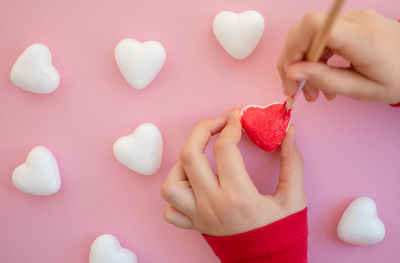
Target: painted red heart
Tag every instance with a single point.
(266, 126)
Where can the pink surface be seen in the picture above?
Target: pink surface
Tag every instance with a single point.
(350, 149)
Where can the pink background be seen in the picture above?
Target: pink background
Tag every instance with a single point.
(350, 149)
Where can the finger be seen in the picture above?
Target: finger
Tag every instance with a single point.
(306, 96)
(344, 40)
(299, 41)
(333, 80)
(282, 55)
(178, 192)
(176, 218)
(195, 163)
(228, 159)
(310, 93)
(289, 86)
(290, 189)
(329, 96)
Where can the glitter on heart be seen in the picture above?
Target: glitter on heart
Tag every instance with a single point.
(266, 126)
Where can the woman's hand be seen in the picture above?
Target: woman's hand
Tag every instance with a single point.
(370, 42)
(228, 203)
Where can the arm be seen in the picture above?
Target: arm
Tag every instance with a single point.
(227, 208)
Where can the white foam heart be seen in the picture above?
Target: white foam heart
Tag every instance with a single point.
(360, 224)
(107, 249)
(39, 175)
(33, 70)
(139, 62)
(238, 34)
(142, 150)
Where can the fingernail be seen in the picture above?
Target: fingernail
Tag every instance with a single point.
(285, 88)
(330, 97)
(290, 88)
(300, 76)
(307, 97)
(287, 91)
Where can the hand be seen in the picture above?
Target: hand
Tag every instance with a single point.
(370, 42)
(228, 203)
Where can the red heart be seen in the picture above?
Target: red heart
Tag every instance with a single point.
(266, 126)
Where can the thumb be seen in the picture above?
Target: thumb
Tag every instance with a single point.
(331, 80)
(290, 189)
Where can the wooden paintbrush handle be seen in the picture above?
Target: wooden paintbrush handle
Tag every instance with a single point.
(319, 41)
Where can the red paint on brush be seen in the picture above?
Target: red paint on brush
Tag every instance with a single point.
(267, 126)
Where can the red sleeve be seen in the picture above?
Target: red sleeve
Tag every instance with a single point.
(284, 241)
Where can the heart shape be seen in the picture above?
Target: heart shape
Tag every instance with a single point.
(266, 126)
(360, 224)
(238, 34)
(107, 249)
(33, 70)
(142, 150)
(139, 62)
(39, 175)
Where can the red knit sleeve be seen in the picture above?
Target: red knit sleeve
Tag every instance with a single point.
(284, 241)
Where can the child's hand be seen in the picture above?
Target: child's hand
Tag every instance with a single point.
(370, 42)
(228, 203)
